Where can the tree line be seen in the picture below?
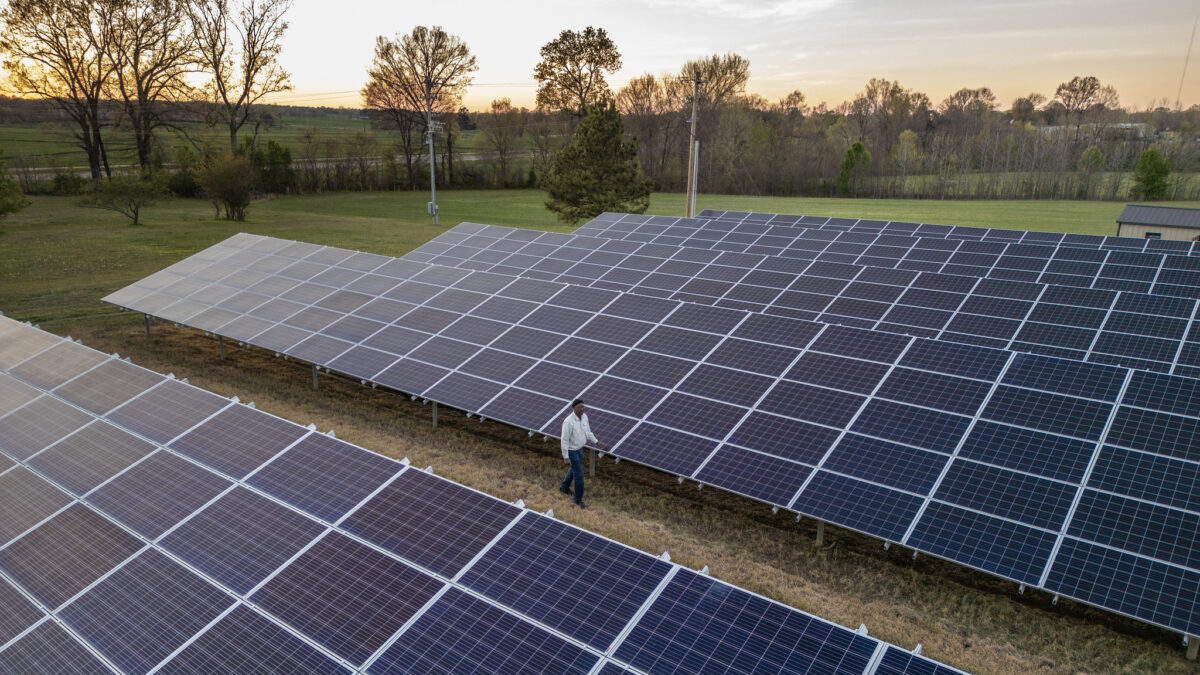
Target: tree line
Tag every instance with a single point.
(148, 65)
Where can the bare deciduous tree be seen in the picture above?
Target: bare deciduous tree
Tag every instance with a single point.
(570, 75)
(501, 130)
(152, 51)
(725, 77)
(428, 68)
(239, 47)
(59, 50)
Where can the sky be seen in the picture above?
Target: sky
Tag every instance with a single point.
(828, 49)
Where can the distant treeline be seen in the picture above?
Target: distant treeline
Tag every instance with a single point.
(886, 142)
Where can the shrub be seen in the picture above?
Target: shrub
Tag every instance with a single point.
(227, 181)
(126, 195)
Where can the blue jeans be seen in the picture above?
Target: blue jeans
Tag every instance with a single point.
(575, 473)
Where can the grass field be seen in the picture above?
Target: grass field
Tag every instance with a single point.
(57, 260)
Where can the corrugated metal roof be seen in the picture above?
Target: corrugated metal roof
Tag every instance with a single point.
(1167, 216)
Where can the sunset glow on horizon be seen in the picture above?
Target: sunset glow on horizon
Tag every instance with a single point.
(828, 49)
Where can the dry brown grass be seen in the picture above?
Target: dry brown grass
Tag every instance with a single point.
(970, 620)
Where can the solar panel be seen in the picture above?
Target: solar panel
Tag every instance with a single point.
(959, 404)
(1126, 245)
(1105, 326)
(161, 563)
(462, 634)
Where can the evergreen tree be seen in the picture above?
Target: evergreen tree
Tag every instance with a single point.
(597, 171)
(1150, 176)
(853, 167)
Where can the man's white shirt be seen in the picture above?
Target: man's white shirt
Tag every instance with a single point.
(576, 433)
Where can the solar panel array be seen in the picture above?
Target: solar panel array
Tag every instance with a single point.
(1067, 262)
(950, 231)
(1073, 477)
(1102, 326)
(148, 525)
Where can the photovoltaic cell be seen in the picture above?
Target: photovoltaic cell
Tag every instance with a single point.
(1152, 530)
(666, 449)
(38, 424)
(241, 538)
(1048, 412)
(324, 476)
(167, 410)
(49, 649)
(1026, 450)
(244, 641)
(65, 554)
(749, 633)
(57, 365)
(462, 634)
(346, 596)
(899, 662)
(1081, 570)
(1028, 499)
(886, 463)
(22, 343)
(144, 611)
(923, 428)
(90, 456)
(754, 474)
(430, 521)
(875, 510)
(18, 613)
(25, 501)
(14, 394)
(158, 492)
(1150, 477)
(238, 440)
(529, 568)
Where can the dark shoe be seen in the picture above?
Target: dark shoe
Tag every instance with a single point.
(581, 505)
(564, 490)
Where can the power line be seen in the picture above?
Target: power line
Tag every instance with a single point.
(1179, 93)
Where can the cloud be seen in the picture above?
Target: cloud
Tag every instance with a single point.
(753, 10)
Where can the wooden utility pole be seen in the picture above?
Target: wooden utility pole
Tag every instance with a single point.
(691, 181)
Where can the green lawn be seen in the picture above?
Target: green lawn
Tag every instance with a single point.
(58, 259)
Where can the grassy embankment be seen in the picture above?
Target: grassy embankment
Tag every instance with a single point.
(57, 260)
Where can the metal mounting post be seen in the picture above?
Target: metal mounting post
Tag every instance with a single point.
(221, 344)
(147, 324)
(820, 533)
(435, 414)
(315, 376)
(593, 470)
(1193, 647)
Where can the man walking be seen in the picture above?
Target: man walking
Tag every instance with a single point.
(575, 434)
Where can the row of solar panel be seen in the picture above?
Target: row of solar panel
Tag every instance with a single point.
(922, 442)
(1138, 331)
(146, 523)
(960, 232)
(1154, 273)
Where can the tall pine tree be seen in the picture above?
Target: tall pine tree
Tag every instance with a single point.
(597, 171)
